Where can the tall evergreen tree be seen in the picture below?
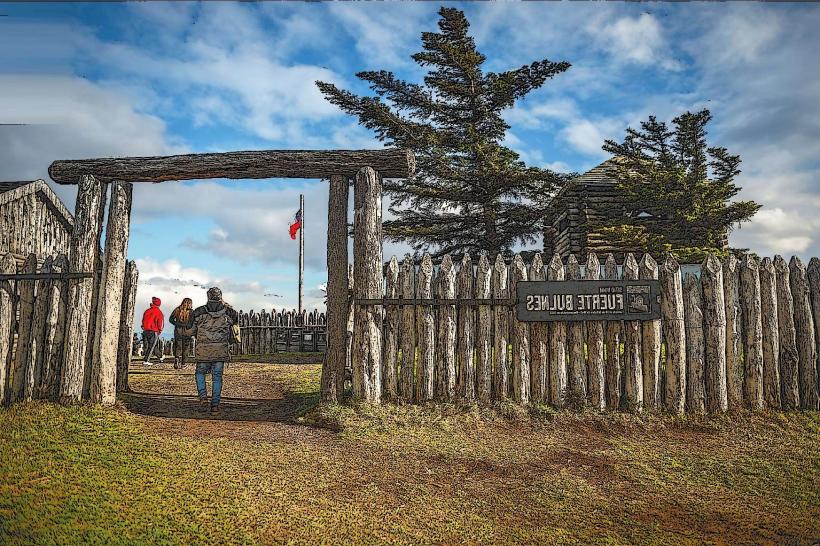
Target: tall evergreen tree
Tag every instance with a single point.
(469, 193)
(678, 190)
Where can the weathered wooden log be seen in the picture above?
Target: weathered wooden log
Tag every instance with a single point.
(51, 355)
(651, 343)
(446, 352)
(348, 375)
(425, 322)
(124, 349)
(22, 375)
(813, 275)
(85, 244)
(804, 334)
(771, 335)
(407, 280)
(714, 334)
(632, 366)
(367, 264)
(390, 163)
(672, 309)
(34, 367)
(734, 365)
(695, 350)
(789, 382)
(577, 370)
(558, 343)
(752, 339)
(520, 333)
(8, 266)
(595, 346)
(501, 331)
(613, 330)
(539, 344)
(466, 384)
(391, 333)
(484, 334)
(109, 306)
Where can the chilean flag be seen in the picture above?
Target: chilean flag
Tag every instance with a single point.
(294, 227)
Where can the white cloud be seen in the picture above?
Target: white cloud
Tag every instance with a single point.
(634, 39)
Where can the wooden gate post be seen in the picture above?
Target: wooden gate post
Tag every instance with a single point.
(651, 343)
(109, 305)
(752, 338)
(85, 246)
(675, 334)
(333, 368)
(8, 266)
(124, 348)
(771, 333)
(367, 266)
(714, 334)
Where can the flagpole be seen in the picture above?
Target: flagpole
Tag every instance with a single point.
(301, 252)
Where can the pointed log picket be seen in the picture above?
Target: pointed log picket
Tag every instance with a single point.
(714, 334)
(752, 379)
(595, 345)
(466, 384)
(731, 294)
(632, 369)
(771, 333)
(520, 340)
(613, 346)
(577, 370)
(650, 343)
(804, 334)
(446, 351)
(501, 331)
(558, 343)
(672, 308)
(425, 323)
(407, 280)
(539, 344)
(483, 290)
(789, 382)
(391, 332)
(695, 350)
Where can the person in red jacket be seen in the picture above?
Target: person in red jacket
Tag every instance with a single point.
(153, 321)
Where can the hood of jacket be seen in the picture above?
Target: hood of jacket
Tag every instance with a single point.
(214, 306)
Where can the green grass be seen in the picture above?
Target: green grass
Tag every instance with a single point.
(432, 474)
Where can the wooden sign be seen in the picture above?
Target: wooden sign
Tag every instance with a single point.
(547, 301)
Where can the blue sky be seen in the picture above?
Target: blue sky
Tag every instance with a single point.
(95, 80)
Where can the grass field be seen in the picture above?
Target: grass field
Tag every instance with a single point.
(273, 468)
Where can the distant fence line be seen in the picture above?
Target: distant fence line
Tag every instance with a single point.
(742, 334)
(266, 332)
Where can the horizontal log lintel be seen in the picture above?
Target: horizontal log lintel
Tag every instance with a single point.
(436, 301)
(389, 162)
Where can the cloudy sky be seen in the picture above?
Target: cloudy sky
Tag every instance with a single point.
(90, 80)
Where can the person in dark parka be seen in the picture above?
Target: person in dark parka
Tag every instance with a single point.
(211, 324)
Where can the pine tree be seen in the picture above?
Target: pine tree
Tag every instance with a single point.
(469, 193)
(678, 191)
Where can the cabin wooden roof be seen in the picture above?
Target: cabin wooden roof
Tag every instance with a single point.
(12, 191)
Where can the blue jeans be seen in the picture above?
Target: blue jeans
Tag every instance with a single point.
(215, 369)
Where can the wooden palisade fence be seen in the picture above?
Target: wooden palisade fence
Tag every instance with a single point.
(740, 334)
(282, 331)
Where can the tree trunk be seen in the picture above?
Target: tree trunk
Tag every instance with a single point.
(367, 264)
(484, 340)
(675, 333)
(651, 343)
(613, 346)
(771, 334)
(539, 344)
(752, 336)
(501, 323)
(804, 334)
(633, 369)
(789, 383)
(714, 334)
(85, 244)
(695, 350)
(558, 343)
